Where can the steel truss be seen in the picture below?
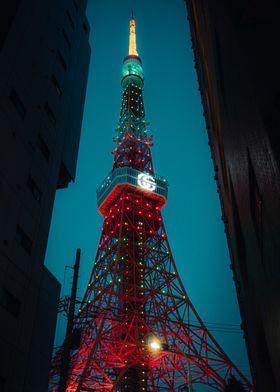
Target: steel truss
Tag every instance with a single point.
(135, 296)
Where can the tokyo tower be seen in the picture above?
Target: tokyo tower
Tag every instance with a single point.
(139, 330)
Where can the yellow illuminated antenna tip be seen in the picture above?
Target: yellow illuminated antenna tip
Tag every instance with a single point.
(132, 38)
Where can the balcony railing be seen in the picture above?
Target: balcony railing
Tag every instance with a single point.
(127, 175)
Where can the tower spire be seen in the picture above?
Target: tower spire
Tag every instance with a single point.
(132, 38)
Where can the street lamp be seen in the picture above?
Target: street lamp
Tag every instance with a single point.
(156, 346)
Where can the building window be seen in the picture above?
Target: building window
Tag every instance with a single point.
(70, 20)
(43, 147)
(75, 5)
(19, 106)
(56, 85)
(61, 60)
(24, 240)
(67, 40)
(34, 189)
(10, 302)
(50, 114)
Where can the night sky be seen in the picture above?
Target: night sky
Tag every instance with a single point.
(192, 215)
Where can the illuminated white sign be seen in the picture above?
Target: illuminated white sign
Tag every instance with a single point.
(146, 182)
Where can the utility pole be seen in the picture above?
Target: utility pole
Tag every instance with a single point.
(70, 322)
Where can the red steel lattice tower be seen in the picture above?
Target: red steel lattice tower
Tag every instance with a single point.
(139, 330)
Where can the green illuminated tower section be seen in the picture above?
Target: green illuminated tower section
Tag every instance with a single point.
(132, 141)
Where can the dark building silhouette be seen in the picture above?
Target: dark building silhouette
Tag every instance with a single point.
(236, 56)
(44, 60)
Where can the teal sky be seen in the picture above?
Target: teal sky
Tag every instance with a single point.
(192, 215)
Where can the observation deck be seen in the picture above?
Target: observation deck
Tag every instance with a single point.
(154, 186)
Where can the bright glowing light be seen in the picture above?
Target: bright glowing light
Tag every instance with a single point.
(146, 181)
(132, 39)
(155, 345)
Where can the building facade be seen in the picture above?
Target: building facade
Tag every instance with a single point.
(44, 61)
(237, 64)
